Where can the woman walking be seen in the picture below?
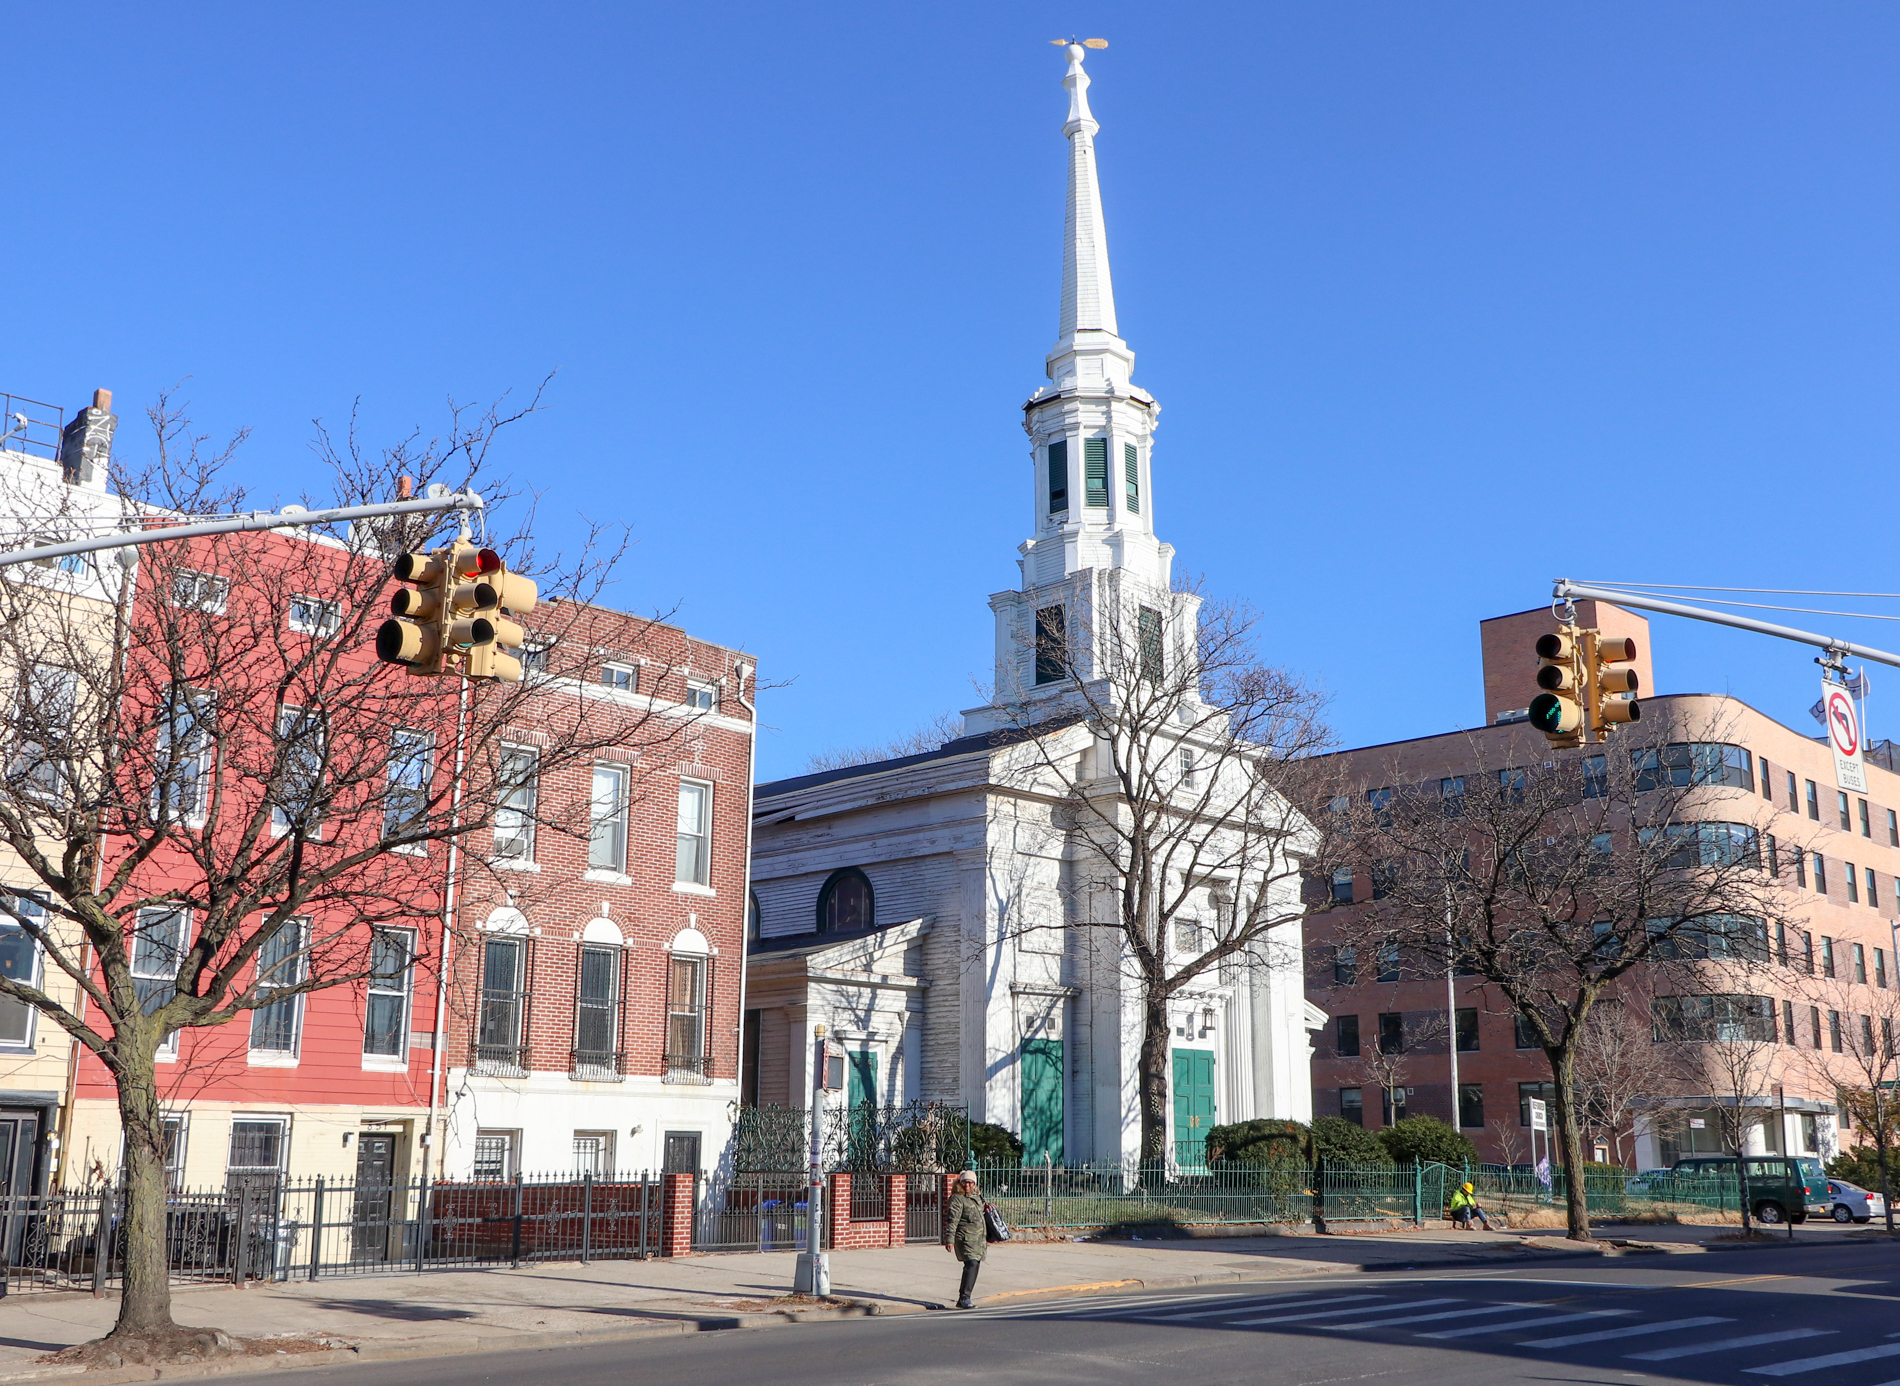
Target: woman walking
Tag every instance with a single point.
(964, 1234)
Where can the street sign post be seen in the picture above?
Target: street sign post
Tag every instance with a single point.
(1843, 737)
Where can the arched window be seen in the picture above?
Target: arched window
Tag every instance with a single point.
(752, 914)
(845, 905)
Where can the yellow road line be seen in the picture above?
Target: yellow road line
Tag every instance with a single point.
(1062, 1290)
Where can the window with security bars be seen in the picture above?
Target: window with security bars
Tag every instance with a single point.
(1131, 476)
(1095, 472)
(594, 1154)
(281, 963)
(597, 1013)
(1059, 476)
(504, 1000)
(386, 1018)
(256, 1157)
(686, 1057)
(519, 786)
(693, 861)
(494, 1156)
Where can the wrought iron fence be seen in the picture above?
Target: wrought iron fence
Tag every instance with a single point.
(908, 1137)
(870, 1197)
(308, 1229)
(1110, 1195)
(761, 1211)
(923, 1209)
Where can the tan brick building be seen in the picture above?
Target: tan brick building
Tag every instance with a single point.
(1838, 852)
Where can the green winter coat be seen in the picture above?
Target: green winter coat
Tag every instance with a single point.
(963, 1227)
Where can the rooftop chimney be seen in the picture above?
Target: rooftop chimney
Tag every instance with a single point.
(85, 444)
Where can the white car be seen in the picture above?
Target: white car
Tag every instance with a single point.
(1852, 1203)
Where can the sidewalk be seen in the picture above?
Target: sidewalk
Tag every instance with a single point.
(406, 1314)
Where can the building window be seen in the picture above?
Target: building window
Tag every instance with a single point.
(1451, 794)
(1794, 801)
(504, 1001)
(846, 905)
(622, 677)
(1814, 1024)
(1391, 1032)
(1346, 965)
(1471, 1105)
(1801, 868)
(752, 914)
(1867, 1037)
(597, 1012)
(1781, 944)
(297, 804)
(1524, 1035)
(495, 1156)
(1465, 1020)
(518, 788)
(1814, 802)
(256, 1155)
(1388, 962)
(1095, 472)
(200, 591)
(1767, 784)
(1346, 1036)
(1185, 760)
(310, 616)
(1820, 874)
(1787, 1023)
(1131, 476)
(1148, 622)
(1596, 777)
(686, 1056)
(1873, 889)
(1827, 956)
(386, 1017)
(174, 1128)
(607, 833)
(158, 949)
(1543, 1092)
(281, 962)
(411, 771)
(1342, 886)
(182, 775)
(1059, 476)
(1880, 967)
(19, 961)
(701, 696)
(1807, 950)
(534, 656)
(1860, 964)
(1052, 645)
(1853, 882)
(1866, 822)
(1834, 1031)
(1893, 828)
(1393, 1100)
(1685, 763)
(1511, 785)
(1846, 823)
(692, 861)
(44, 720)
(593, 1154)
(1352, 1106)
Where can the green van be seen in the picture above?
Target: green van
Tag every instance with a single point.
(1779, 1187)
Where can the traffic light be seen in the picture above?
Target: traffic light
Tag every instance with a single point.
(1557, 712)
(454, 613)
(1610, 678)
(413, 637)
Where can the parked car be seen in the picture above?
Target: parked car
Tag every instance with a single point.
(1778, 1187)
(1852, 1203)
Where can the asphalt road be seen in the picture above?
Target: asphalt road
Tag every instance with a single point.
(1809, 1317)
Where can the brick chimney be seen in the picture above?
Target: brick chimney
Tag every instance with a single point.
(1510, 658)
(85, 445)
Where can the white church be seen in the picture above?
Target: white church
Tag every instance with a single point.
(922, 909)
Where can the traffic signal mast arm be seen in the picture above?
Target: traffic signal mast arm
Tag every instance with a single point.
(240, 524)
(1833, 650)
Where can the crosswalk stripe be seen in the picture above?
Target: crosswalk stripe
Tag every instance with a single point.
(1528, 1323)
(1815, 1364)
(1628, 1330)
(1418, 1318)
(1333, 1313)
(1276, 1301)
(1787, 1335)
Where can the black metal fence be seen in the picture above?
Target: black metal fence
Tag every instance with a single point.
(923, 1212)
(752, 1212)
(911, 1136)
(310, 1229)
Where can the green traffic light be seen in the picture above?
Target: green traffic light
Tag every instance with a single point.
(1554, 716)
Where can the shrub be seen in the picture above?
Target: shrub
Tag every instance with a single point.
(991, 1144)
(1263, 1141)
(1861, 1166)
(1339, 1140)
(1427, 1138)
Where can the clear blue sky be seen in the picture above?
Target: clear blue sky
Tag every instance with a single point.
(1440, 300)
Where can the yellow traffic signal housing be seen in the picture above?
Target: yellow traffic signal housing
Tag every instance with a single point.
(491, 634)
(414, 636)
(454, 613)
(1557, 712)
(1611, 679)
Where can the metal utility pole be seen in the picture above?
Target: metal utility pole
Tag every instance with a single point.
(814, 1266)
(1834, 651)
(291, 517)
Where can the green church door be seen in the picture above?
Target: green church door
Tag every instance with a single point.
(1042, 1101)
(861, 1101)
(1193, 1104)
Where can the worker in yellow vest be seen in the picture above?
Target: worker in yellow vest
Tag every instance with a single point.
(1464, 1207)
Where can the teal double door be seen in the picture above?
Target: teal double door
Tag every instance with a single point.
(1040, 1071)
(1193, 1104)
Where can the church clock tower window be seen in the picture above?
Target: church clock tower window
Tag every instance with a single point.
(1131, 470)
(1095, 471)
(1059, 476)
(1052, 645)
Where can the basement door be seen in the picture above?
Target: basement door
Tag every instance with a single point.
(1193, 1104)
(1041, 1067)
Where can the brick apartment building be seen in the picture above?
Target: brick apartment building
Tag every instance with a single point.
(1839, 853)
(599, 955)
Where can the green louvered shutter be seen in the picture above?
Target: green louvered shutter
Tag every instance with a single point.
(1058, 476)
(1095, 471)
(1131, 468)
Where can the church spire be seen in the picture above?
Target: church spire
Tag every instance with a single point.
(1088, 295)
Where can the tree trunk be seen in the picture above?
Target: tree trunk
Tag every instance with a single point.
(1880, 1156)
(1570, 1141)
(1152, 1083)
(145, 1306)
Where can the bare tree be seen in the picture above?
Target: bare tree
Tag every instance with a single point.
(945, 726)
(1510, 1140)
(1390, 1069)
(1175, 759)
(1621, 1070)
(1857, 1058)
(220, 796)
(1553, 877)
(1732, 1041)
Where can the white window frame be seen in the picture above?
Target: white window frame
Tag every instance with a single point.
(602, 1157)
(196, 715)
(33, 908)
(411, 758)
(617, 667)
(282, 1123)
(150, 915)
(702, 695)
(199, 591)
(404, 988)
(50, 697)
(520, 821)
(313, 616)
(510, 1146)
(702, 876)
(289, 718)
(294, 933)
(607, 819)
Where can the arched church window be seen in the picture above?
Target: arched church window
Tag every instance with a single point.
(845, 904)
(751, 914)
